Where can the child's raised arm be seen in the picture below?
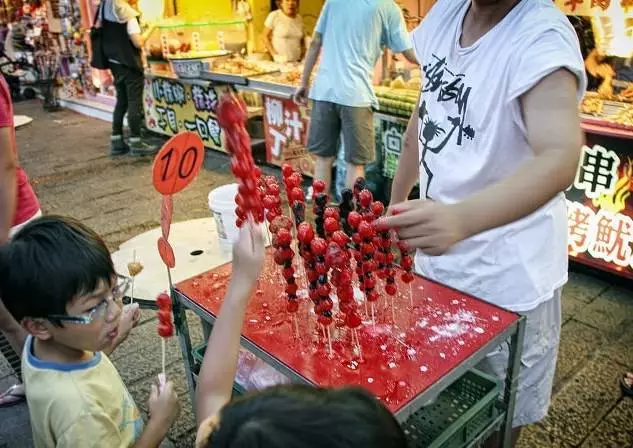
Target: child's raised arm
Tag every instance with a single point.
(215, 382)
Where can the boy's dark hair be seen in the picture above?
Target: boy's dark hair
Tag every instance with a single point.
(298, 416)
(49, 262)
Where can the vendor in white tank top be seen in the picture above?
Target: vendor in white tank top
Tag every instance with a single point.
(284, 34)
(494, 143)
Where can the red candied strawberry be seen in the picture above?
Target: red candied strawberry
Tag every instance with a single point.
(372, 296)
(365, 197)
(324, 290)
(331, 225)
(332, 212)
(318, 246)
(288, 272)
(165, 330)
(365, 230)
(163, 301)
(305, 233)
(407, 277)
(354, 219)
(284, 238)
(287, 170)
(406, 263)
(353, 320)
(269, 201)
(318, 186)
(340, 238)
(377, 208)
(297, 195)
(325, 320)
(391, 289)
(292, 306)
(165, 316)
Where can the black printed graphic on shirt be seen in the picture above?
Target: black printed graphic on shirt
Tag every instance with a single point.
(450, 88)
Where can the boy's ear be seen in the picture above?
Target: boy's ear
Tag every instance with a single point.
(37, 328)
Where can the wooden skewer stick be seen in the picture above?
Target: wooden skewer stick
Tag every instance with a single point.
(132, 291)
(329, 340)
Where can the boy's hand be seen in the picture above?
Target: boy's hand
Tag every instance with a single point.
(426, 225)
(163, 406)
(248, 256)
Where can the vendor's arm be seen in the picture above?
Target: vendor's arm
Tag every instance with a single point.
(308, 66)
(550, 114)
(215, 381)
(8, 173)
(408, 172)
(268, 40)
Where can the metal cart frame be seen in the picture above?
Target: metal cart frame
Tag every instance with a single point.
(514, 333)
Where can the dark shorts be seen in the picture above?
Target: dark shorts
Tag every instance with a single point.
(329, 120)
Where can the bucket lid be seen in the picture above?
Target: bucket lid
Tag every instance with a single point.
(223, 195)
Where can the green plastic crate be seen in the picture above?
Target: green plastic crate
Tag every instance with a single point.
(198, 356)
(458, 415)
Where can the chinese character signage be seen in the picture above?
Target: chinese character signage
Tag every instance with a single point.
(600, 207)
(286, 130)
(594, 7)
(389, 140)
(172, 106)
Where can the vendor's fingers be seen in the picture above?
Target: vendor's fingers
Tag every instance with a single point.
(426, 244)
(409, 217)
(408, 233)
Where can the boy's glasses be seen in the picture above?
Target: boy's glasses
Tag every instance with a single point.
(99, 311)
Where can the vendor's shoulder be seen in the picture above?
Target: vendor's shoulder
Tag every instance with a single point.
(540, 17)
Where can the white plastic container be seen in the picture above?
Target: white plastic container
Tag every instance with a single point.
(222, 205)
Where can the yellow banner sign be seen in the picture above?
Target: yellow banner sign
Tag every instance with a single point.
(174, 105)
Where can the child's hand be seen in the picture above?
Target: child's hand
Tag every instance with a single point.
(164, 407)
(248, 256)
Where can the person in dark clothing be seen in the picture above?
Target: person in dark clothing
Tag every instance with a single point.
(123, 42)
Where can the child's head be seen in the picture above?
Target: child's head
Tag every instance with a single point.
(57, 278)
(305, 417)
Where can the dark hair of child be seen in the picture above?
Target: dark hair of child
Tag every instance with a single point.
(49, 262)
(298, 416)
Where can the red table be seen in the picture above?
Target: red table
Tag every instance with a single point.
(405, 363)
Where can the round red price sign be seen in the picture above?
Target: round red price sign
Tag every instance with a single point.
(177, 164)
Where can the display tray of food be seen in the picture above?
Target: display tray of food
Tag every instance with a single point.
(281, 83)
(236, 70)
(191, 64)
(397, 101)
(600, 112)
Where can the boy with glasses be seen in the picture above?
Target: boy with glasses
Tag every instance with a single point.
(58, 280)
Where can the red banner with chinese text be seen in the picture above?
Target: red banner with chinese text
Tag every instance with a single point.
(286, 131)
(600, 206)
(594, 7)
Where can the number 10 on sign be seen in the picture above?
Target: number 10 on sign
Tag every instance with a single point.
(178, 163)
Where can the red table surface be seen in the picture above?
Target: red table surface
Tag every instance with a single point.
(399, 361)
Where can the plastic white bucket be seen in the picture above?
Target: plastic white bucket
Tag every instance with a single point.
(222, 205)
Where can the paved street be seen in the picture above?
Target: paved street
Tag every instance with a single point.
(65, 155)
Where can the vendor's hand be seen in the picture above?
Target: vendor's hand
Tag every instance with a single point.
(301, 95)
(426, 225)
(248, 256)
(163, 406)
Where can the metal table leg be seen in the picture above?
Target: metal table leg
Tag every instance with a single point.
(206, 329)
(512, 379)
(180, 320)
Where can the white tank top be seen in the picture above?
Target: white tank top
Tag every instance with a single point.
(471, 135)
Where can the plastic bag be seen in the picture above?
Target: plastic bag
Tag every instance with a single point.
(255, 374)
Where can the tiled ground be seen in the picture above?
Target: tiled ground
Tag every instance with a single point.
(66, 156)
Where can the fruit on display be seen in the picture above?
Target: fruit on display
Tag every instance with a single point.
(399, 102)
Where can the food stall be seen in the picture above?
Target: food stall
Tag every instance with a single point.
(600, 209)
(232, 57)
